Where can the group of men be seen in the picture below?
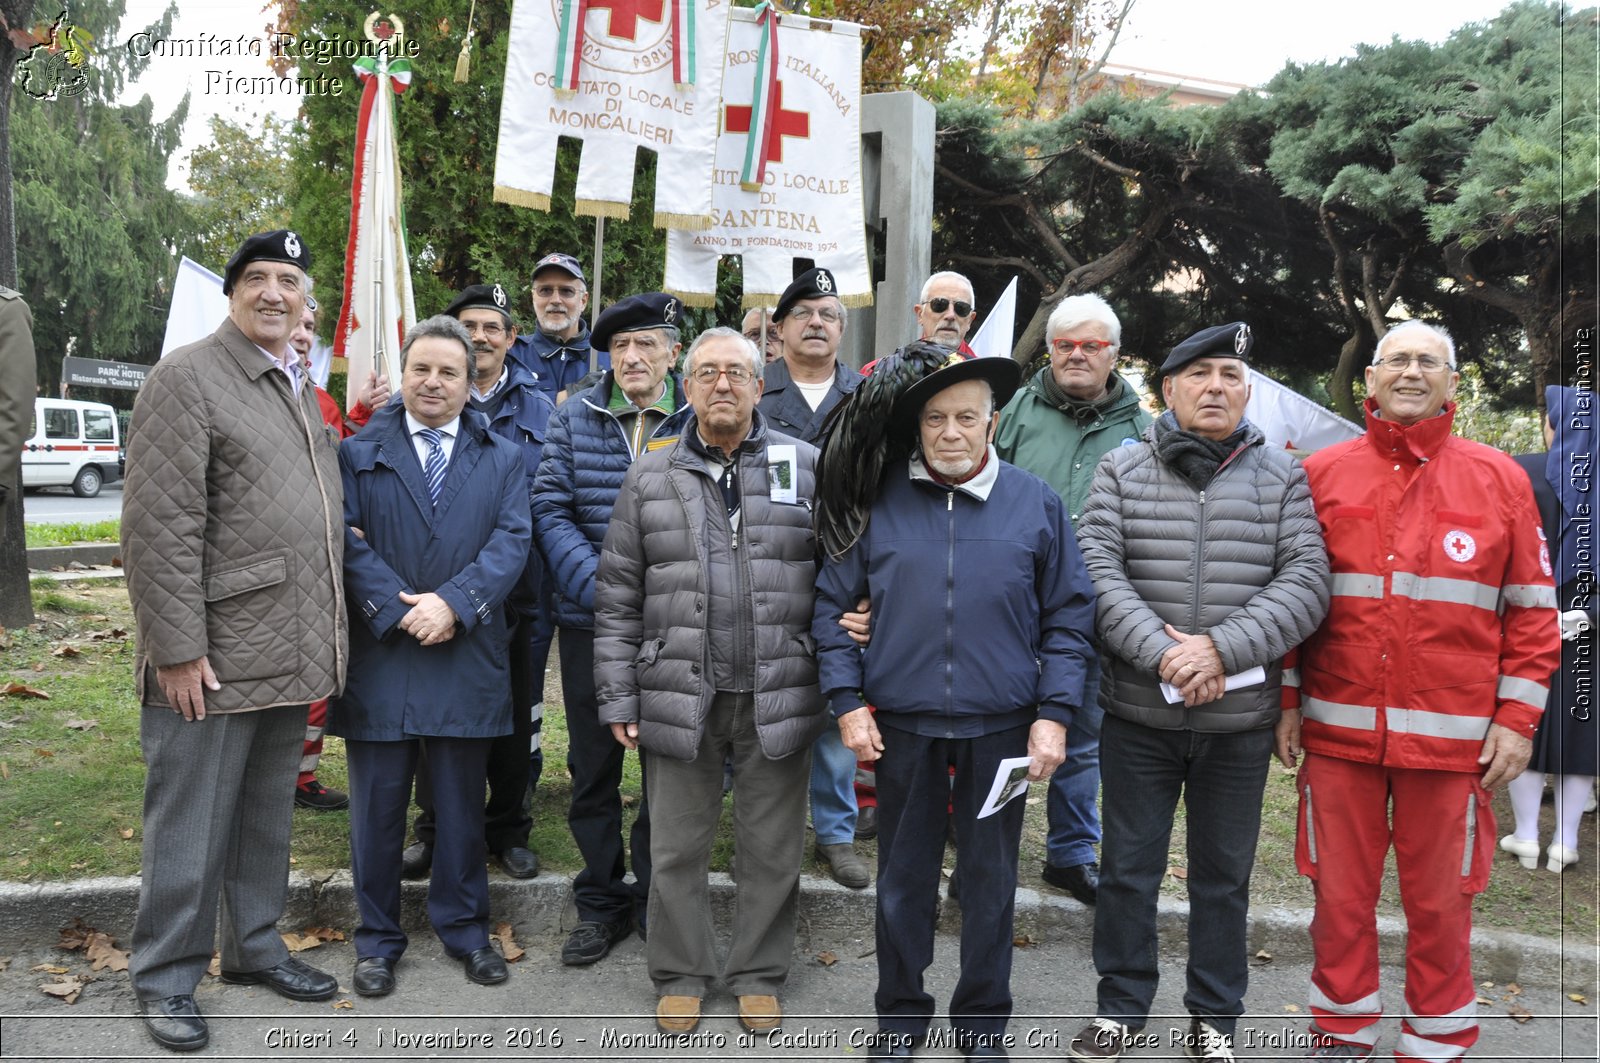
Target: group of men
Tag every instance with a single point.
(1042, 577)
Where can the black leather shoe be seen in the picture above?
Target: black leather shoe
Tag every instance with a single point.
(1080, 880)
(175, 1023)
(518, 862)
(416, 861)
(867, 822)
(590, 941)
(374, 976)
(292, 978)
(485, 966)
(888, 1044)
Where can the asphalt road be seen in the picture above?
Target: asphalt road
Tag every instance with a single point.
(58, 505)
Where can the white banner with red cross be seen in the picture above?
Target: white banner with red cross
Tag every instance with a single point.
(619, 75)
(791, 188)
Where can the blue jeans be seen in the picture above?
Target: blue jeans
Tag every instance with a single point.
(1074, 822)
(833, 789)
(1221, 778)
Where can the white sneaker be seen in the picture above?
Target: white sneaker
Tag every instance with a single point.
(1101, 1041)
(1205, 1041)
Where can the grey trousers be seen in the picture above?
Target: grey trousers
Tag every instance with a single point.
(769, 825)
(218, 810)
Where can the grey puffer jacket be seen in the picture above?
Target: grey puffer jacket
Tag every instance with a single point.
(653, 641)
(1242, 561)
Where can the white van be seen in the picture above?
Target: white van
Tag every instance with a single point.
(73, 444)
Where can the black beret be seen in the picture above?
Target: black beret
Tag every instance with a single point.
(812, 284)
(280, 245)
(1232, 340)
(636, 312)
(557, 260)
(480, 297)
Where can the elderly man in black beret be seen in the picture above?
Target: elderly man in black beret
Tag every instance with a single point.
(637, 406)
(801, 389)
(981, 644)
(233, 543)
(1208, 565)
(518, 411)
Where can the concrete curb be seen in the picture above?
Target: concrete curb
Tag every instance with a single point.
(46, 558)
(32, 916)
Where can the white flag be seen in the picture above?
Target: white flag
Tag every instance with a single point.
(198, 306)
(378, 306)
(995, 336)
(1289, 419)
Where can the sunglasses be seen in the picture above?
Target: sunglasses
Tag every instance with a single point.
(940, 304)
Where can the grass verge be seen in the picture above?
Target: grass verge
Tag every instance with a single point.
(71, 783)
(104, 531)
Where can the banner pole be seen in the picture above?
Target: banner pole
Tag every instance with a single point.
(594, 296)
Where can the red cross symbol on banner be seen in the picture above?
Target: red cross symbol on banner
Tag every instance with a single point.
(623, 16)
(784, 123)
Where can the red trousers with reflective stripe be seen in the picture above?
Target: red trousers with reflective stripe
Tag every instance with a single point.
(311, 752)
(1443, 834)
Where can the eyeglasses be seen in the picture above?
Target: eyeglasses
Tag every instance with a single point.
(754, 335)
(491, 329)
(803, 314)
(737, 375)
(1398, 363)
(1090, 348)
(566, 291)
(940, 304)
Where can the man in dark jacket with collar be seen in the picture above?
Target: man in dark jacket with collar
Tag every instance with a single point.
(518, 411)
(722, 519)
(800, 390)
(981, 644)
(1208, 563)
(558, 351)
(437, 507)
(594, 437)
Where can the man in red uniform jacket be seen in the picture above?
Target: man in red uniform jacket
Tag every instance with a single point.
(1419, 694)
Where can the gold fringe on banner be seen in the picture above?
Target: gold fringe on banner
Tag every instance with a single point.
(690, 222)
(565, 94)
(519, 197)
(338, 364)
(757, 300)
(702, 300)
(464, 60)
(851, 302)
(600, 208)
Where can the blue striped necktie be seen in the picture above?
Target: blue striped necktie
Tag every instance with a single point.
(433, 468)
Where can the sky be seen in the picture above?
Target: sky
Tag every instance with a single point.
(1239, 41)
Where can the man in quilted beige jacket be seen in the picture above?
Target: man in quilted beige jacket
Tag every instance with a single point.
(233, 544)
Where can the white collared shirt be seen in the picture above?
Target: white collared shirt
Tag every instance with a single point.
(290, 367)
(447, 438)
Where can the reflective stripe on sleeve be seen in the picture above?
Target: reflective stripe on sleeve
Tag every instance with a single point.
(1356, 585)
(1529, 595)
(1436, 724)
(1525, 690)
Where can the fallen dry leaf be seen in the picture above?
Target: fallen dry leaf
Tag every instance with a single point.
(509, 948)
(67, 989)
(75, 936)
(1292, 1007)
(37, 666)
(1023, 941)
(324, 933)
(343, 1005)
(1178, 872)
(5, 770)
(1514, 989)
(1486, 985)
(1519, 1013)
(1263, 956)
(125, 833)
(66, 650)
(1483, 1001)
(47, 968)
(5, 961)
(827, 959)
(301, 942)
(18, 690)
(214, 969)
(43, 753)
(83, 725)
(628, 800)
(103, 954)
(1577, 998)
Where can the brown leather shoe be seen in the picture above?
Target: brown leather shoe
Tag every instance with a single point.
(677, 1014)
(760, 1014)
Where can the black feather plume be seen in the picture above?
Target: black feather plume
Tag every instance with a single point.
(861, 442)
